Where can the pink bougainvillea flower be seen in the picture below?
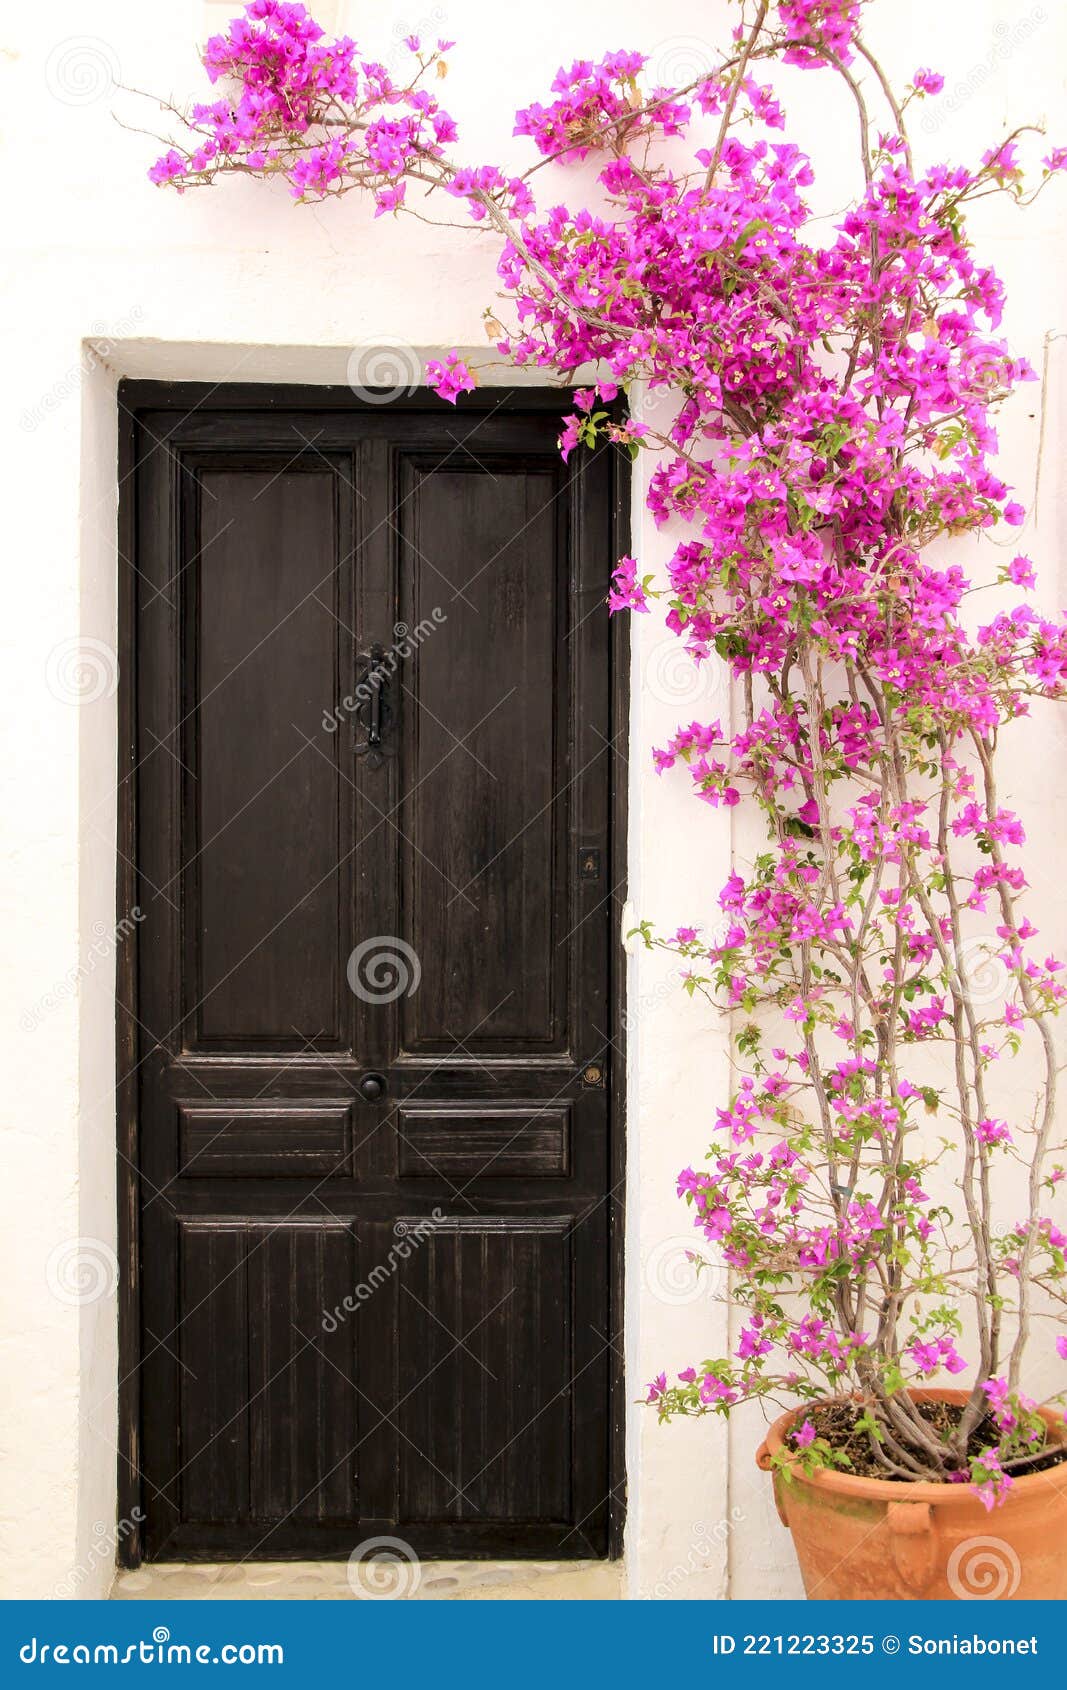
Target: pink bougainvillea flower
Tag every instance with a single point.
(656, 1388)
(1021, 572)
(989, 1131)
(929, 1357)
(450, 377)
(990, 1482)
(627, 593)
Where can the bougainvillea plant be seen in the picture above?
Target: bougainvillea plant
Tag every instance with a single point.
(831, 432)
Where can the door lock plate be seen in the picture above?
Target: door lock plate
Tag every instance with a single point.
(589, 862)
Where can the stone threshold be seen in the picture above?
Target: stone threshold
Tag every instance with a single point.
(324, 1581)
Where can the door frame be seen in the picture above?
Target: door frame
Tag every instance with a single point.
(135, 396)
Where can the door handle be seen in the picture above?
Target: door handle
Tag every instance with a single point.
(372, 1087)
(374, 730)
(373, 712)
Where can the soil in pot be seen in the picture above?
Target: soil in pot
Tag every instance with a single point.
(862, 1535)
(835, 1421)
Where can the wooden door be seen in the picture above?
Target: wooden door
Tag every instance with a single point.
(370, 1061)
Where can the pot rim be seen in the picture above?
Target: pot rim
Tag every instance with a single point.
(895, 1490)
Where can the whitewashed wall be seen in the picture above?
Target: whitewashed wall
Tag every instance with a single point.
(238, 284)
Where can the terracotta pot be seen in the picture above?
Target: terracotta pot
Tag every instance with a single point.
(875, 1539)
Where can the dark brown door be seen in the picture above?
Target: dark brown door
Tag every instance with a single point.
(375, 1213)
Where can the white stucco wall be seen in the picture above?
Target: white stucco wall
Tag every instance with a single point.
(237, 284)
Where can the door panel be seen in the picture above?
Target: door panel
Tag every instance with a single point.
(247, 1139)
(495, 804)
(492, 1414)
(268, 1418)
(373, 776)
(532, 1138)
(265, 917)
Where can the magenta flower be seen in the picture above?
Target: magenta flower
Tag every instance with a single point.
(753, 1344)
(1021, 572)
(627, 593)
(715, 1391)
(989, 1131)
(657, 1388)
(991, 1483)
(933, 1355)
(450, 377)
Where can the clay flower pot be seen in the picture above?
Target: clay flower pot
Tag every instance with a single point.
(875, 1539)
